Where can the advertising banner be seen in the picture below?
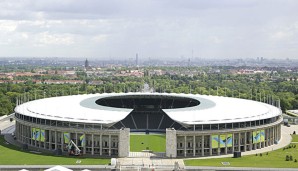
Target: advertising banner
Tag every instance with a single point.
(42, 135)
(229, 140)
(83, 140)
(215, 140)
(262, 132)
(35, 134)
(222, 141)
(66, 137)
(256, 137)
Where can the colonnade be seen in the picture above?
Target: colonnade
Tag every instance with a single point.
(210, 143)
(99, 142)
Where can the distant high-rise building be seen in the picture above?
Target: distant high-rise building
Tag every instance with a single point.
(86, 64)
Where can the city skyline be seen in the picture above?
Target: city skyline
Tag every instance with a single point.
(153, 29)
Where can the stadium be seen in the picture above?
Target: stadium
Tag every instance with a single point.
(101, 124)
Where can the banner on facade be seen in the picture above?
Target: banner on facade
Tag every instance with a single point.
(262, 132)
(42, 135)
(83, 140)
(229, 140)
(66, 137)
(256, 137)
(35, 134)
(222, 141)
(215, 140)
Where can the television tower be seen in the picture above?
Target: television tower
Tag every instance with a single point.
(137, 59)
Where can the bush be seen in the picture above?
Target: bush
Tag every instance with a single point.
(295, 160)
(291, 158)
(287, 158)
(267, 153)
(256, 154)
(261, 154)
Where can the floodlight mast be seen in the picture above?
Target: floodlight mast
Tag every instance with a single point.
(77, 149)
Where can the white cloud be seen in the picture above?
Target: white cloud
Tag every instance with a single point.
(171, 28)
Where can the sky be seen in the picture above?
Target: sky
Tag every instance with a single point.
(156, 29)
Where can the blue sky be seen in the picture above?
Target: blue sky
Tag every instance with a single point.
(168, 29)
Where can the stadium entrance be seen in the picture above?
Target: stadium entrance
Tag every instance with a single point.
(147, 145)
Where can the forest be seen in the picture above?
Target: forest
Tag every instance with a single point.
(259, 87)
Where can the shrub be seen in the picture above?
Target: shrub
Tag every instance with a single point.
(287, 158)
(256, 154)
(267, 153)
(291, 158)
(295, 160)
(261, 154)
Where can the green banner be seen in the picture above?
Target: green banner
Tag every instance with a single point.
(262, 135)
(66, 137)
(33, 136)
(42, 135)
(215, 140)
(83, 140)
(229, 140)
(256, 137)
(222, 141)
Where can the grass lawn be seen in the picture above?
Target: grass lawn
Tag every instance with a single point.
(295, 138)
(274, 159)
(12, 155)
(139, 142)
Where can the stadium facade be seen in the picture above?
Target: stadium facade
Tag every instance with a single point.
(195, 125)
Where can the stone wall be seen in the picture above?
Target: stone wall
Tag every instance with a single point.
(171, 143)
(124, 139)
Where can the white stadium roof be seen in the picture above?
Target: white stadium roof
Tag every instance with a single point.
(211, 110)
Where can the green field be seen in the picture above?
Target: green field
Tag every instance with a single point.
(12, 155)
(295, 138)
(274, 159)
(139, 142)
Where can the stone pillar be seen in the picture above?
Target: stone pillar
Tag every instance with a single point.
(85, 143)
(124, 142)
(245, 139)
(203, 145)
(226, 146)
(110, 138)
(76, 139)
(92, 144)
(184, 146)
(239, 141)
(39, 142)
(273, 133)
(62, 141)
(218, 149)
(45, 139)
(56, 142)
(171, 142)
(250, 140)
(100, 144)
(194, 146)
(50, 140)
(210, 145)
(233, 144)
